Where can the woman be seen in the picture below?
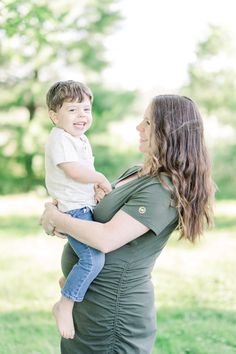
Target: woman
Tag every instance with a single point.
(173, 189)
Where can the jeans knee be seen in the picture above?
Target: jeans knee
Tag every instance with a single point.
(96, 261)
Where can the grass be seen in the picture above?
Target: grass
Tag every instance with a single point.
(195, 287)
(195, 290)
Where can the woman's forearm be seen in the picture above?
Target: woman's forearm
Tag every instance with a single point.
(107, 237)
(94, 234)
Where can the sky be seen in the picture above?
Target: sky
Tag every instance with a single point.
(157, 39)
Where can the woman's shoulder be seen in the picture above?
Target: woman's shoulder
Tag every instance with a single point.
(130, 171)
(126, 174)
(151, 202)
(156, 189)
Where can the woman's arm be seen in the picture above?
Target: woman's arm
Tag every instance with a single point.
(107, 237)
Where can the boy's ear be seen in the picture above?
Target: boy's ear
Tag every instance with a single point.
(53, 116)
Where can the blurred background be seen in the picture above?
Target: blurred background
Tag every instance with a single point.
(126, 52)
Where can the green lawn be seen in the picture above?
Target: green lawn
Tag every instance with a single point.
(195, 287)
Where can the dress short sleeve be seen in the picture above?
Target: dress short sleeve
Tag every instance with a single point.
(152, 207)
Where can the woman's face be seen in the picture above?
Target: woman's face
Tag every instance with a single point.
(144, 129)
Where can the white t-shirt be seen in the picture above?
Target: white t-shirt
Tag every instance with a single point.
(63, 147)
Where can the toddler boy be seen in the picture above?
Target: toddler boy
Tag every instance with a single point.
(70, 179)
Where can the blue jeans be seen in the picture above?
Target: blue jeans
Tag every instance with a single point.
(91, 262)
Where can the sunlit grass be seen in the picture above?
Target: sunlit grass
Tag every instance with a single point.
(195, 287)
(195, 291)
(29, 269)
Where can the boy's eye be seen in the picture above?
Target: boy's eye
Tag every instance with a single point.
(71, 110)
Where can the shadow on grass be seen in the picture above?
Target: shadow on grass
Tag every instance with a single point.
(19, 226)
(28, 332)
(195, 331)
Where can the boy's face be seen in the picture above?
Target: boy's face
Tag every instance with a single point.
(74, 117)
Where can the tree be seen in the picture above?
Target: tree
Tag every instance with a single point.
(212, 78)
(40, 40)
(212, 83)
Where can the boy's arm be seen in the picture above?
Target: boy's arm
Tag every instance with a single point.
(83, 174)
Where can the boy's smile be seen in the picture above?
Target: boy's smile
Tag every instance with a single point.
(74, 117)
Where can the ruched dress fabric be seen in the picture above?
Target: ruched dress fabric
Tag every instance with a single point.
(117, 315)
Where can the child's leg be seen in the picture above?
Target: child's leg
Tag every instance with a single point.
(62, 311)
(83, 273)
(91, 262)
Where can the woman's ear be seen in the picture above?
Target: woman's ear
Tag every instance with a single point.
(53, 116)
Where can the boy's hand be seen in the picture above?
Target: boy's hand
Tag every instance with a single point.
(105, 186)
(99, 192)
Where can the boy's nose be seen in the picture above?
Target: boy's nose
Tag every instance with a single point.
(80, 113)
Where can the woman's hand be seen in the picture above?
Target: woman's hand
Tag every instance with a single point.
(47, 222)
(59, 234)
(46, 219)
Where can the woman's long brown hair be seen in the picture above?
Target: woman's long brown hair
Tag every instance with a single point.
(178, 150)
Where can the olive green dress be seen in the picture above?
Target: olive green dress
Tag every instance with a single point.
(117, 315)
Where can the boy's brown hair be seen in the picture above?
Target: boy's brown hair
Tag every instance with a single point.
(66, 91)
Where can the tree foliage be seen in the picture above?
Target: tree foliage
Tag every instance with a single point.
(212, 77)
(42, 42)
(212, 84)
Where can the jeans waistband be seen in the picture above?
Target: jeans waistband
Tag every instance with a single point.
(85, 209)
